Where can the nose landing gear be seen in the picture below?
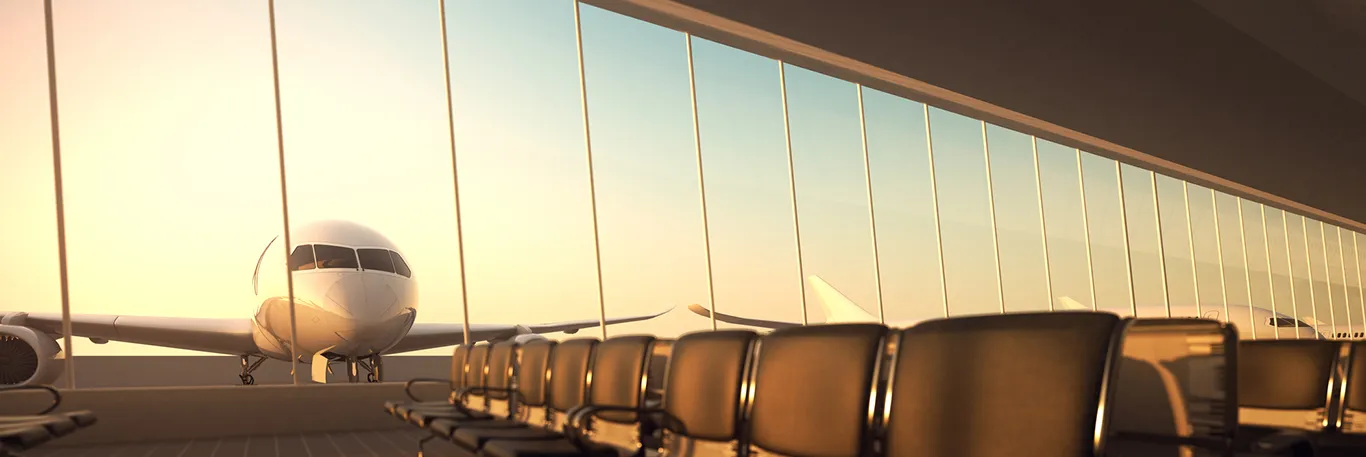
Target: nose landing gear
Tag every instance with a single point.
(373, 365)
(247, 367)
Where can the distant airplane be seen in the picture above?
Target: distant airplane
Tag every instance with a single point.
(840, 309)
(356, 300)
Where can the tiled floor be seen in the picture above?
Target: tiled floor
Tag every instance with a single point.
(388, 443)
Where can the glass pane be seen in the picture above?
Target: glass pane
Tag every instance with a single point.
(376, 259)
(1259, 273)
(832, 190)
(302, 258)
(524, 195)
(964, 218)
(171, 121)
(29, 274)
(1359, 249)
(1069, 261)
(1337, 296)
(1176, 242)
(1303, 303)
(369, 166)
(1318, 274)
(400, 266)
(1282, 282)
(749, 202)
(1205, 243)
(1105, 223)
(1019, 229)
(908, 239)
(1233, 262)
(1351, 283)
(1140, 211)
(644, 163)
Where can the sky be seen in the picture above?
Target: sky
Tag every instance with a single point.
(172, 187)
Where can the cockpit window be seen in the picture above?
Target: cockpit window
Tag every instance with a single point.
(400, 266)
(1285, 322)
(376, 259)
(302, 258)
(335, 256)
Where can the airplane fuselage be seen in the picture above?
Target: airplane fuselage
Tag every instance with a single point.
(353, 292)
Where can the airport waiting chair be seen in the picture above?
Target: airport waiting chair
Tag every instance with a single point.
(617, 387)
(20, 433)
(565, 389)
(1028, 384)
(459, 372)
(487, 393)
(1285, 389)
(1347, 421)
(814, 389)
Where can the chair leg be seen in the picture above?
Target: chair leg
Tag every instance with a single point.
(421, 444)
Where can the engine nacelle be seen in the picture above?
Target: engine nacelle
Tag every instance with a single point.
(28, 357)
(527, 338)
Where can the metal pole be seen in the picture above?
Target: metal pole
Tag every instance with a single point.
(1043, 224)
(1247, 269)
(1327, 281)
(592, 184)
(792, 185)
(1270, 278)
(1190, 241)
(53, 121)
(991, 210)
(1086, 231)
(284, 198)
(1346, 293)
(938, 227)
(1290, 271)
(1309, 269)
(872, 211)
(1161, 247)
(701, 181)
(1219, 252)
(455, 173)
(1124, 231)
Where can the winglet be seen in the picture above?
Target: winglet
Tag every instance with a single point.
(838, 308)
(1067, 303)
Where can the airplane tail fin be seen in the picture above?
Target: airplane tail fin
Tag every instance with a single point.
(1068, 304)
(837, 307)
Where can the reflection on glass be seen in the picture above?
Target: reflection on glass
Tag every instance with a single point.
(1182, 287)
(1024, 268)
(1258, 261)
(832, 198)
(1298, 246)
(1145, 241)
(964, 214)
(898, 156)
(1337, 297)
(739, 111)
(29, 274)
(1069, 260)
(645, 168)
(1282, 281)
(1105, 225)
(1205, 244)
(1318, 276)
(520, 147)
(194, 161)
(1233, 256)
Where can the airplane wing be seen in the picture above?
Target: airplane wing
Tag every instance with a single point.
(729, 319)
(222, 336)
(434, 335)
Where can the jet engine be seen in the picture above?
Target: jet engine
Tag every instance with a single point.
(527, 338)
(28, 357)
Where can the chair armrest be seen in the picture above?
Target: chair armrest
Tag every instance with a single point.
(56, 396)
(408, 387)
(577, 421)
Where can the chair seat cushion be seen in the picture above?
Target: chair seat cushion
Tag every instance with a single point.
(542, 448)
(423, 418)
(23, 436)
(403, 409)
(448, 427)
(56, 424)
(474, 438)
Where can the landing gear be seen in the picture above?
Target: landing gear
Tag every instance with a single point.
(249, 366)
(374, 365)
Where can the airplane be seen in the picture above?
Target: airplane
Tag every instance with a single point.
(839, 308)
(356, 299)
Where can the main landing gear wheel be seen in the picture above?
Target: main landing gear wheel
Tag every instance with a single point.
(370, 377)
(374, 366)
(249, 366)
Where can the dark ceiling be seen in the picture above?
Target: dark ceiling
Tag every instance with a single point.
(1268, 94)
